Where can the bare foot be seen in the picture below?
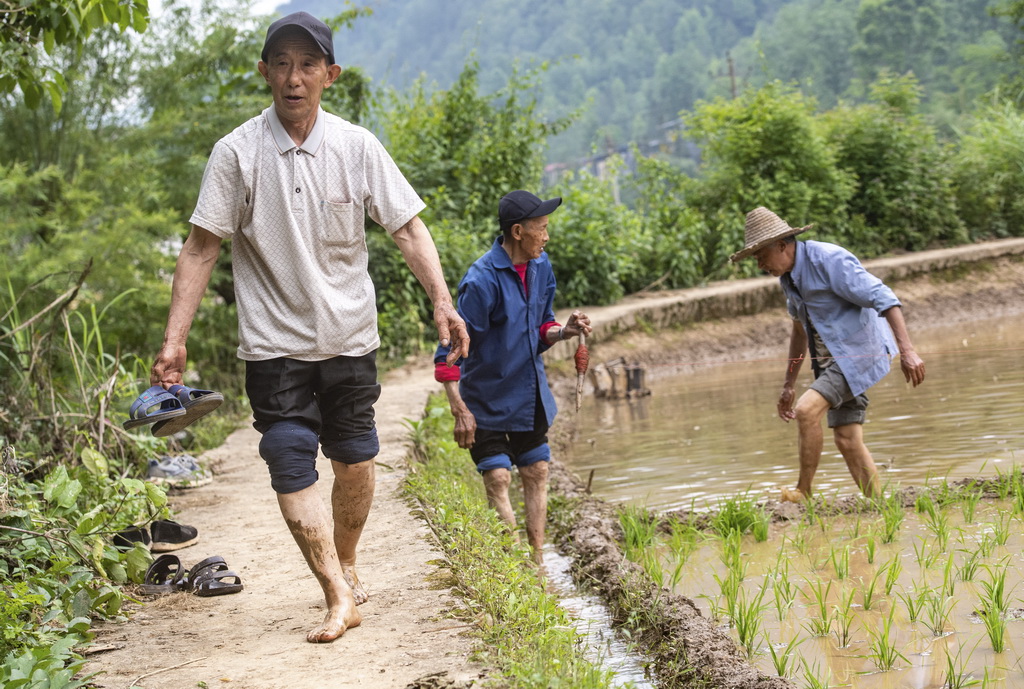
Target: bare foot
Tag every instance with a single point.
(337, 620)
(358, 592)
(793, 495)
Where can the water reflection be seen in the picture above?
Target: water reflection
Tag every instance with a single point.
(713, 431)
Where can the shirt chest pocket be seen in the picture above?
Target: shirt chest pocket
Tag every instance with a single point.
(341, 223)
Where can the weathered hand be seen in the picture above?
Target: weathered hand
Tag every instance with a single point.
(465, 427)
(451, 330)
(785, 406)
(913, 367)
(169, 366)
(578, 323)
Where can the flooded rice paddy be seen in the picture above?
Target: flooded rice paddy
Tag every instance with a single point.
(835, 601)
(712, 431)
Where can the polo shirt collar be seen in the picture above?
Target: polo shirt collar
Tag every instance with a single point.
(284, 142)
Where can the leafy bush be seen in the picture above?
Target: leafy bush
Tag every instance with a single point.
(596, 245)
(988, 173)
(902, 198)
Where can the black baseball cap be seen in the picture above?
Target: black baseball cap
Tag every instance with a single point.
(520, 205)
(317, 30)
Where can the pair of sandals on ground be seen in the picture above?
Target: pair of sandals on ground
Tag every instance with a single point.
(172, 410)
(209, 577)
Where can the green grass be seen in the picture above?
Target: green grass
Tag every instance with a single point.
(524, 633)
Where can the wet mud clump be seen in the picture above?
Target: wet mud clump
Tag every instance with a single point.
(684, 647)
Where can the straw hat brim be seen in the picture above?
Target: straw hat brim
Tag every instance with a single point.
(750, 249)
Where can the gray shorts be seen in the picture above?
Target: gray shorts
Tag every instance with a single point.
(845, 407)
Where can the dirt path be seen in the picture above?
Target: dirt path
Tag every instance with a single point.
(256, 639)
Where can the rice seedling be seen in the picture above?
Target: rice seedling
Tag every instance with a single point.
(868, 590)
(993, 590)
(639, 529)
(892, 516)
(957, 676)
(730, 586)
(852, 532)
(986, 544)
(869, 548)
(913, 600)
(948, 577)
(821, 623)
(841, 561)
(843, 619)
(924, 504)
(814, 678)
(969, 500)
(732, 551)
(715, 611)
(738, 513)
(799, 539)
(995, 628)
(883, 650)
(784, 591)
(747, 620)
(893, 569)
(936, 611)
(682, 540)
(784, 661)
(969, 567)
(926, 557)
(1001, 528)
(938, 523)
(759, 529)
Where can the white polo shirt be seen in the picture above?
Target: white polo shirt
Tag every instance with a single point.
(295, 215)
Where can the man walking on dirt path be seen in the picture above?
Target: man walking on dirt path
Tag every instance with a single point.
(290, 188)
(837, 309)
(499, 394)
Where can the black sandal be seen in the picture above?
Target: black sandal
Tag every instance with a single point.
(208, 578)
(165, 575)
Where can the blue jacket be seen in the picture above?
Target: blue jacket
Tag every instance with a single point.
(503, 376)
(831, 290)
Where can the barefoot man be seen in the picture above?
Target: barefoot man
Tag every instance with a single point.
(289, 188)
(499, 395)
(837, 309)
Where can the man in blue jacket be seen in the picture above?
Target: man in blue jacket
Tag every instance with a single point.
(837, 309)
(499, 393)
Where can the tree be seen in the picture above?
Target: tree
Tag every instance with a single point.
(31, 30)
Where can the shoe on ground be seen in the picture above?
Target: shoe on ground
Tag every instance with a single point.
(126, 539)
(168, 535)
(176, 472)
(793, 495)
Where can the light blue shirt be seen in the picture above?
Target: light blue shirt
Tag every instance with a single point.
(829, 289)
(503, 379)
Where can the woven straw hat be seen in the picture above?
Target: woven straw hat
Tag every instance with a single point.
(761, 229)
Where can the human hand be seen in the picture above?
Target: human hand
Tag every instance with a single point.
(169, 366)
(578, 324)
(785, 405)
(451, 330)
(913, 367)
(465, 427)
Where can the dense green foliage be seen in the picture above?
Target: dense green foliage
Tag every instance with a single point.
(635, 65)
(31, 33)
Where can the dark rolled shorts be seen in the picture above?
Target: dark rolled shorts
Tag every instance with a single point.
(333, 397)
(504, 449)
(846, 408)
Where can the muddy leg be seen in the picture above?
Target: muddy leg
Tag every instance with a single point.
(308, 521)
(496, 483)
(535, 495)
(850, 441)
(810, 410)
(351, 498)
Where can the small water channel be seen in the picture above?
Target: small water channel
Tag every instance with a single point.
(594, 624)
(712, 431)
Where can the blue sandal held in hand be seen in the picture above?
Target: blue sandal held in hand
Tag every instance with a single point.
(197, 404)
(155, 404)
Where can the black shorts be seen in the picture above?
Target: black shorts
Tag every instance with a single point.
(505, 449)
(333, 397)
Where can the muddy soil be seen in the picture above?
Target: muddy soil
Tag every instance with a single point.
(256, 638)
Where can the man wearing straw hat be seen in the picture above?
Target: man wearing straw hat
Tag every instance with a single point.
(837, 309)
